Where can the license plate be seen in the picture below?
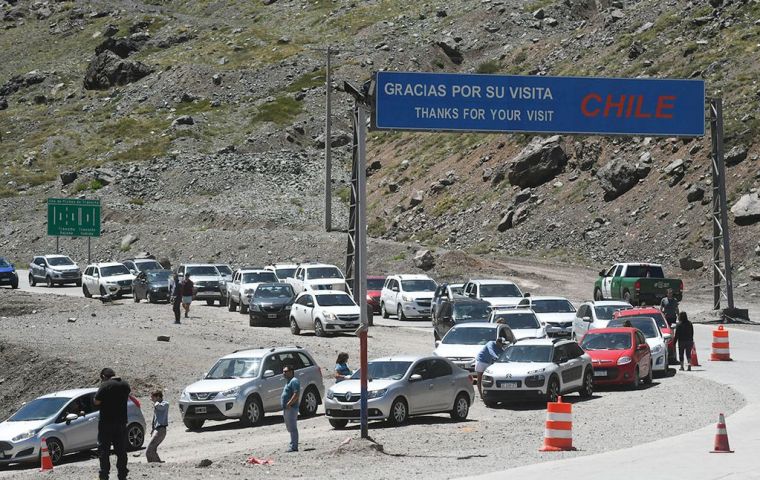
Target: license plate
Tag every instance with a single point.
(200, 409)
(272, 315)
(346, 407)
(600, 373)
(507, 385)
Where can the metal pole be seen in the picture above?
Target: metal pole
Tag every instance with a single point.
(88, 250)
(361, 254)
(717, 104)
(328, 140)
(715, 212)
(56, 244)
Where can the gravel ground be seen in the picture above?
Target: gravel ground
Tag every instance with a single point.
(123, 335)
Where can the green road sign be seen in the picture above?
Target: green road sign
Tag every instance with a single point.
(72, 217)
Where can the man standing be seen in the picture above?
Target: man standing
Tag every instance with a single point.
(685, 338)
(290, 395)
(187, 293)
(487, 355)
(158, 426)
(111, 398)
(175, 296)
(669, 307)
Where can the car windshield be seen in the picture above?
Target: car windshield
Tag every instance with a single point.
(470, 336)
(606, 341)
(657, 317)
(389, 370)
(517, 321)
(527, 354)
(235, 368)
(4, 262)
(260, 277)
(323, 272)
(113, 270)
(470, 312)
(606, 312)
(284, 273)
(224, 269)
(639, 271)
(39, 409)
(552, 306)
(281, 290)
(334, 300)
(500, 290)
(59, 261)
(203, 271)
(458, 290)
(159, 276)
(418, 285)
(375, 283)
(143, 266)
(645, 324)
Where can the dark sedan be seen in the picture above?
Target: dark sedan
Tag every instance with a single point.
(270, 304)
(151, 285)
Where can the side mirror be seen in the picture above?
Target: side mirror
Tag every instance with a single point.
(673, 326)
(667, 337)
(562, 360)
(587, 319)
(268, 373)
(415, 378)
(394, 289)
(526, 294)
(70, 417)
(437, 343)
(133, 271)
(602, 273)
(641, 346)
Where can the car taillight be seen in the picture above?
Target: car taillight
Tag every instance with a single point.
(680, 287)
(135, 400)
(637, 285)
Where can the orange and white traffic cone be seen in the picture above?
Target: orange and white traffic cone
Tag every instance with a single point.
(721, 350)
(721, 437)
(694, 362)
(558, 435)
(45, 460)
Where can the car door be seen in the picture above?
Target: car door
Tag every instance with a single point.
(436, 303)
(271, 387)
(580, 325)
(567, 369)
(385, 295)
(607, 282)
(235, 287)
(617, 281)
(39, 268)
(89, 280)
(82, 432)
(300, 277)
(643, 355)
(422, 391)
(444, 385)
(305, 310)
(391, 304)
(574, 369)
(445, 318)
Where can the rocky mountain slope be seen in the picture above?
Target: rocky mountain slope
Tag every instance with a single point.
(200, 126)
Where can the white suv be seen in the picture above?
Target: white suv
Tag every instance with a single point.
(248, 383)
(595, 314)
(110, 278)
(538, 369)
(317, 276)
(557, 314)
(244, 283)
(325, 312)
(407, 296)
(522, 321)
(499, 293)
(207, 282)
(282, 270)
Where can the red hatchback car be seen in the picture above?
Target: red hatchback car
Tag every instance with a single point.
(659, 319)
(619, 356)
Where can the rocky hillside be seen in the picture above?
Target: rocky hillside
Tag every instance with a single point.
(200, 125)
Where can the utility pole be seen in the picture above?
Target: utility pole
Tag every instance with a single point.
(328, 140)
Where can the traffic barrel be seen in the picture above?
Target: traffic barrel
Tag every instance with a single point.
(558, 435)
(721, 437)
(46, 463)
(720, 346)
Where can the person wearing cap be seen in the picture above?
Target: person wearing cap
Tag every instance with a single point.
(111, 399)
(487, 355)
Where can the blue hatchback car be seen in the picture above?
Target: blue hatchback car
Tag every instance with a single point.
(8, 275)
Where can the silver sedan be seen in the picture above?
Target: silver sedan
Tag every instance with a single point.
(400, 387)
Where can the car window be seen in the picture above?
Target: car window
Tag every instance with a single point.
(259, 277)
(582, 311)
(553, 306)
(203, 271)
(469, 336)
(235, 368)
(88, 271)
(439, 368)
(59, 261)
(335, 300)
(79, 406)
(305, 361)
(469, 312)
(640, 338)
(284, 272)
(272, 363)
(418, 285)
(606, 341)
(606, 312)
(39, 409)
(645, 324)
(424, 369)
(611, 271)
(618, 271)
(500, 290)
(280, 290)
(319, 273)
(517, 321)
(445, 310)
(527, 354)
(560, 353)
(224, 269)
(574, 350)
(391, 370)
(290, 358)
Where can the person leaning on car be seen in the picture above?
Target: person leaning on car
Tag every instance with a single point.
(487, 355)
(111, 399)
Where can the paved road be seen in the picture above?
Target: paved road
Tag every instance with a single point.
(683, 456)
(69, 289)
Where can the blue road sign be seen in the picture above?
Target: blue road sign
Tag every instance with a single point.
(509, 103)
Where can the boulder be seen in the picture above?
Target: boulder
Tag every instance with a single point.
(3, 103)
(537, 164)
(340, 139)
(451, 49)
(424, 260)
(539, 14)
(747, 209)
(522, 196)
(736, 155)
(68, 177)
(110, 30)
(506, 221)
(416, 198)
(183, 120)
(128, 240)
(687, 263)
(618, 176)
(122, 47)
(108, 69)
(695, 194)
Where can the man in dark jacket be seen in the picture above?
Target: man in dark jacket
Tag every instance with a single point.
(175, 296)
(111, 399)
(684, 337)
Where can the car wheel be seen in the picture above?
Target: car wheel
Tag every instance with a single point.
(252, 321)
(253, 412)
(193, 424)
(243, 308)
(309, 403)
(103, 292)
(135, 436)
(598, 295)
(318, 329)
(338, 424)
(399, 412)
(636, 383)
(587, 390)
(552, 391)
(648, 378)
(231, 305)
(400, 313)
(86, 292)
(78, 283)
(461, 407)
(48, 282)
(55, 450)
(383, 311)
(32, 281)
(14, 285)
(294, 327)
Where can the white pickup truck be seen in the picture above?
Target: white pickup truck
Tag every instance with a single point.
(317, 276)
(243, 284)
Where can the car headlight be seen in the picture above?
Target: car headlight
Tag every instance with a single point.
(184, 395)
(255, 307)
(232, 392)
(331, 316)
(624, 360)
(406, 298)
(377, 393)
(26, 435)
(287, 307)
(657, 350)
(487, 380)
(330, 394)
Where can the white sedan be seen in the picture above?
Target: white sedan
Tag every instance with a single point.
(523, 322)
(464, 341)
(556, 313)
(656, 340)
(325, 312)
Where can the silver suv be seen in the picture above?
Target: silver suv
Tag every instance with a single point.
(54, 270)
(207, 280)
(248, 383)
